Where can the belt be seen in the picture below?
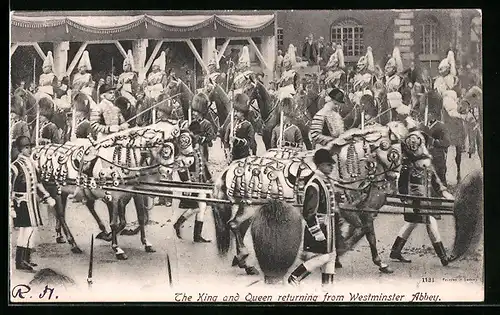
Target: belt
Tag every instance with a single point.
(20, 197)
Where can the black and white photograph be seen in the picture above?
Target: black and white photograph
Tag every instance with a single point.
(328, 156)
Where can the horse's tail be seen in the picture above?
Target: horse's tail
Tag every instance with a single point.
(222, 214)
(277, 235)
(468, 209)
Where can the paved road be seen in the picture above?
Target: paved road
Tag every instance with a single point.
(197, 265)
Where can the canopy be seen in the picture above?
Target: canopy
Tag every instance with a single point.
(86, 28)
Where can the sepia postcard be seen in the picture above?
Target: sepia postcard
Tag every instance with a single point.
(331, 156)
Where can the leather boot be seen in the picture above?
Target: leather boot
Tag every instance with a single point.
(21, 263)
(399, 243)
(337, 263)
(298, 275)
(326, 278)
(198, 227)
(28, 257)
(178, 224)
(441, 252)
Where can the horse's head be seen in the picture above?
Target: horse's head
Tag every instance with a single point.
(470, 100)
(173, 86)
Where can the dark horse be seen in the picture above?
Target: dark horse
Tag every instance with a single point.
(217, 95)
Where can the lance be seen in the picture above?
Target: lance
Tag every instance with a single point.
(426, 111)
(91, 262)
(112, 74)
(34, 71)
(73, 124)
(280, 144)
(363, 119)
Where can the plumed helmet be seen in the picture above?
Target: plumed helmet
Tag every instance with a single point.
(129, 61)
(244, 60)
(122, 103)
(200, 103)
(287, 105)
(451, 62)
(49, 61)
(17, 105)
(362, 63)
(161, 61)
(46, 107)
(336, 95)
(322, 156)
(81, 102)
(340, 56)
(370, 63)
(241, 103)
(85, 61)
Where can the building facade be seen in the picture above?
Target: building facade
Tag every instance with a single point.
(422, 35)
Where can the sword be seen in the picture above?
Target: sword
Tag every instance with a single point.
(91, 262)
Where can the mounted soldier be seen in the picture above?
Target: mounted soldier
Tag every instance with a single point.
(327, 124)
(393, 83)
(81, 120)
(363, 80)
(48, 82)
(335, 74)
(287, 134)
(200, 125)
(446, 84)
(289, 82)
(157, 78)
(83, 79)
(48, 132)
(128, 81)
(18, 125)
(213, 76)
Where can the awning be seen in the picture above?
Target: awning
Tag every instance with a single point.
(85, 28)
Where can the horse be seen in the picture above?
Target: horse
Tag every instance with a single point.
(112, 161)
(472, 104)
(454, 125)
(247, 182)
(180, 92)
(217, 95)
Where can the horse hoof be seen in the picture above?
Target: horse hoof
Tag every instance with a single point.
(127, 232)
(385, 269)
(149, 249)
(60, 240)
(121, 256)
(235, 262)
(251, 271)
(76, 250)
(241, 261)
(102, 236)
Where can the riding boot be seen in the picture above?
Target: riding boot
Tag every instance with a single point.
(21, 263)
(298, 275)
(441, 252)
(396, 250)
(337, 263)
(28, 257)
(178, 224)
(198, 227)
(326, 278)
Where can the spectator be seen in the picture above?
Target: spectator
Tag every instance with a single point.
(309, 51)
(322, 52)
(412, 74)
(278, 66)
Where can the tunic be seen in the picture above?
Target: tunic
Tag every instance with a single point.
(326, 126)
(448, 82)
(292, 137)
(439, 148)
(319, 200)
(47, 83)
(104, 115)
(155, 84)
(128, 82)
(81, 81)
(393, 83)
(242, 130)
(49, 133)
(334, 77)
(24, 180)
(419, 178)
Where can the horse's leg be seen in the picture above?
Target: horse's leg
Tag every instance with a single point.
(250, 270)
(103, 235)
(304, 130)
(458, 161)
(61, 202)
(59, 237)
(372, 240)
(243, 214)
(140, 208)
(116, 204)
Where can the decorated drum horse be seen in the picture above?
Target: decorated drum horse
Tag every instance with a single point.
(114, 162)
(373, 156)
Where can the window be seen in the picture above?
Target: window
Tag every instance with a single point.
(429, 38)
(279, 37)
(349, 34)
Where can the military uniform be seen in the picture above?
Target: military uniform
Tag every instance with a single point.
(48, 132)
(243, 142)
(438, 147)
(447, 83)
(327, 124)
(18, 126)
(127, 81)
(82, 81)
(156, 78)
(48, 82)
(335, 76)
(418, 177)
(363, 79)
(291, 134)
(103, 116)
(318, 210)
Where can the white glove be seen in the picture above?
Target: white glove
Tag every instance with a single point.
(319, 237)
(51, 202)
(124, 126)
(447, 195)
(114, 128)
(13, 214)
